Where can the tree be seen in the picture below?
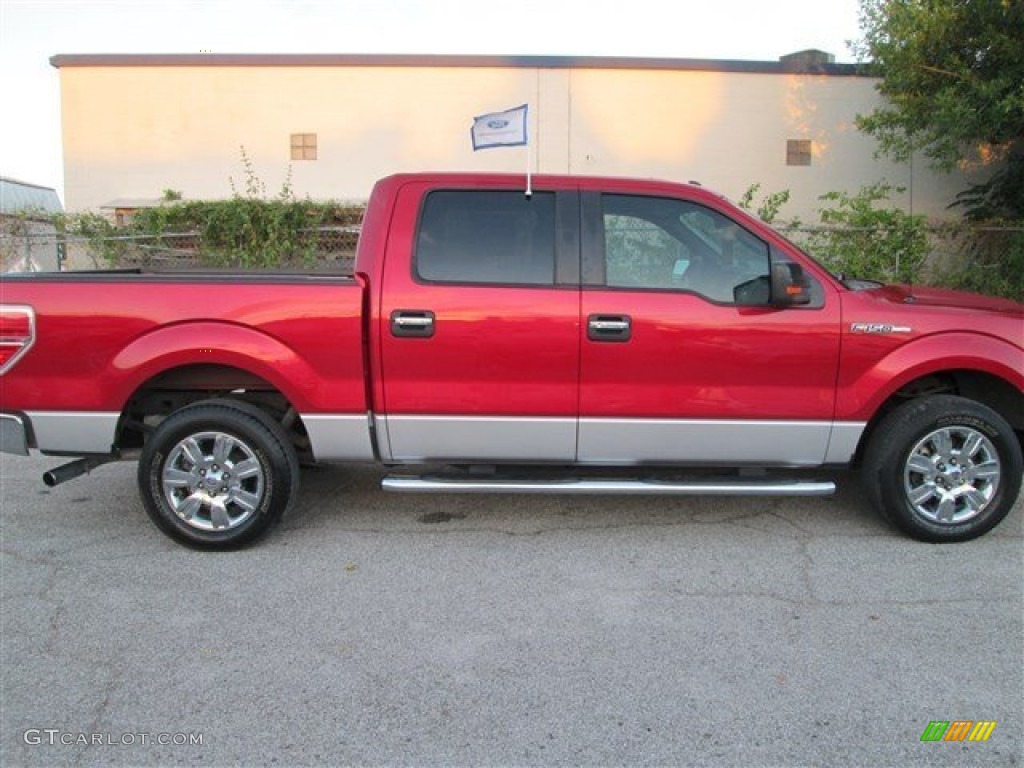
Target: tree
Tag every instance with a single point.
(953, 76)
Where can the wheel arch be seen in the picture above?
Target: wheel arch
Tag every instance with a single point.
(213, 343)
(980, 386)
(173, 366)
(171, 389)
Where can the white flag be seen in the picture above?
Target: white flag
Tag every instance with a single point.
(500, 129)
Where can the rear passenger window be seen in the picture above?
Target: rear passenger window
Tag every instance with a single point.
(487, 237)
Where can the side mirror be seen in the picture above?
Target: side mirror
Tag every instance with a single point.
(753, 293)
(790, 287)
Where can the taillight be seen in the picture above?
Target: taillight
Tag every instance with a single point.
(17, 333)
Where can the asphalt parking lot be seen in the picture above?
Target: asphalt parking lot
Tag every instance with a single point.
(376, 629)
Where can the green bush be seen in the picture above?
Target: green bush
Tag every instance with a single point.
(106, 242)
(989, 259)
(247, 231)
(241, 232)
(857, 235)
(770, 205)
(859, 238)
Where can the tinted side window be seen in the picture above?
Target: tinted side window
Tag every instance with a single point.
(487, 237)
(665, 244)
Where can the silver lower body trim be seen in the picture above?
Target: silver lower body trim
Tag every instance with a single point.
(334, 437)
(13, 435)
(73, 432)
(843, 442)
(339, 437)
(703, 442)
(617, 442)
(480, 439)
(709, 487)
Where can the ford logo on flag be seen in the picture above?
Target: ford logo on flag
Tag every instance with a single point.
(497, 129)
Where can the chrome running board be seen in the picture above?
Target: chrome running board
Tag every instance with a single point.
(594, 486)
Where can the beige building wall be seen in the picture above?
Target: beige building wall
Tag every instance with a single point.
(133, 131)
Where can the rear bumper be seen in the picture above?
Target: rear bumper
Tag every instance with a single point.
(13, 434)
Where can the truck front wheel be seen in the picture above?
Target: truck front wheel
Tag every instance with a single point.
(943, 468)
(217, 474)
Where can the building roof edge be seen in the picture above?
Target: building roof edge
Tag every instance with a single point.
(426, 60)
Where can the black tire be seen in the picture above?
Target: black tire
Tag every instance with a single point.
(943, 468)
(217, 474)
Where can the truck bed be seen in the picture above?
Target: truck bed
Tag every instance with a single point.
(102, 338)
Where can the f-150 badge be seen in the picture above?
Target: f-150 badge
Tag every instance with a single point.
(879, 328)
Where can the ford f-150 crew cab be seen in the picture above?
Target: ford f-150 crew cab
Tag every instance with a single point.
(595, 336)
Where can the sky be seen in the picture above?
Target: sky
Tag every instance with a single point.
(31, 31)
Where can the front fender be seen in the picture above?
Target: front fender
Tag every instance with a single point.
(864, 386)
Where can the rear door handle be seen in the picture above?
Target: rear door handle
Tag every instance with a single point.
(609, 327)
(412, 323)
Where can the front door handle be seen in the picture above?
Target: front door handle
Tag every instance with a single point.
(412, 323)
(609, 327)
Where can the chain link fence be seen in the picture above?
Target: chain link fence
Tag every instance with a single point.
(982, 258)
(330, 250)
(951, 249)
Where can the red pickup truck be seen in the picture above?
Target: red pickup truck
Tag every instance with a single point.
(595, 336)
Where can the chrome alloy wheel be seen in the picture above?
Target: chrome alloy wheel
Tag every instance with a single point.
(952, 475)
(213, 481)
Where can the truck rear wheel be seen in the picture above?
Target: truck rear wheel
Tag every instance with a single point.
(217, 474)
(943, 468)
